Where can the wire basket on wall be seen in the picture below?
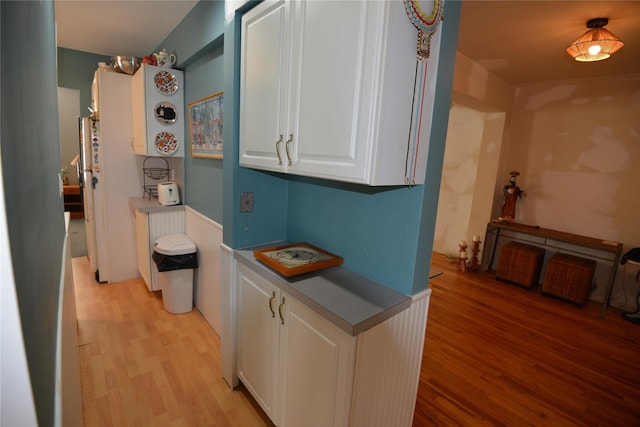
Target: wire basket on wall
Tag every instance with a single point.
(155, 170)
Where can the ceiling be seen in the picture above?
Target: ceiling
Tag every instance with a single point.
(114, 27)
(520, 41)
(525, 41)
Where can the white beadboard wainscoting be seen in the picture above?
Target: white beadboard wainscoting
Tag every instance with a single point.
(207, 235)
(68, 395)
(228, 314)
(387, 381)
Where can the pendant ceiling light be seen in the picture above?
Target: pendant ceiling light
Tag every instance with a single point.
(596, 44)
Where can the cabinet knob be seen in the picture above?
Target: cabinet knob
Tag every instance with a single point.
(286, 147)
(278, 149)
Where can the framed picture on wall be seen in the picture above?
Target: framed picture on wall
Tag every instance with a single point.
(205, 126)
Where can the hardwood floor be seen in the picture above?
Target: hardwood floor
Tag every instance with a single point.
(496, 354)
(143, 366)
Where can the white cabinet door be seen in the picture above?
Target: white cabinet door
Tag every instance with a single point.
(316, 369)
(142, 246)
(258, 335)
(327, 90)
(264, 86)
(328, 87)
(139, 111)
(158, 111)
(296, 364)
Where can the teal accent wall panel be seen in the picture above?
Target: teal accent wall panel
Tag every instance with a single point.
(198, 43)
(30, 166)
(446, 65)
(203, 177)
(385, 234)
(268, 222)
(373, 229)
(202, 25)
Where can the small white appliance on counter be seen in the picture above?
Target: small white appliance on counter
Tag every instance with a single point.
(168, 194)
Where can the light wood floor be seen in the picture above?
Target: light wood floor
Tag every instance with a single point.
(496, 354)
(143, 366)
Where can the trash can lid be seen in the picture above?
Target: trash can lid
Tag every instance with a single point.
(174, 244)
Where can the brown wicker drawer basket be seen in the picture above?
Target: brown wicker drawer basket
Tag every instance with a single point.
(520, 263)
(569, 277)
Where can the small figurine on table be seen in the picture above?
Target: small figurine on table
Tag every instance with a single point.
(511, 194)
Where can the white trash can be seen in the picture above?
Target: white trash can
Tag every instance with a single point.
(175, 256)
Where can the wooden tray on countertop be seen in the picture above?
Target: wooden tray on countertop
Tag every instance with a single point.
(296, 258)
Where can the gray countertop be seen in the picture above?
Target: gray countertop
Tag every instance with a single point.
(350, 301)
(146, 204)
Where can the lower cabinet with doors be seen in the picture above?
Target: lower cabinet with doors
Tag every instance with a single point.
(152, 223)
(330, 349)
(297, 365)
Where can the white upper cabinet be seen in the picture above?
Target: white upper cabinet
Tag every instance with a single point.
(327, 90)
(263, 86)
(158, 111)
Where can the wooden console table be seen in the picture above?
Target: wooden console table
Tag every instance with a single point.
(555, 241)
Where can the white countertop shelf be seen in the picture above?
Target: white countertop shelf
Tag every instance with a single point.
(146, 204)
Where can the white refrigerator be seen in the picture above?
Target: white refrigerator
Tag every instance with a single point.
(110, 177)
(88, 137)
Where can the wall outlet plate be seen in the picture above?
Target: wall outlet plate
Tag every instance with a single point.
(246, 202)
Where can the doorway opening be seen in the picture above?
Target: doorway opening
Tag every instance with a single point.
(469, 190)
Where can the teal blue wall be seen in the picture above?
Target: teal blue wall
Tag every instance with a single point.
(75, 71)
(30, 165)
(385, 234)
(203, 177)
(437, 141)
(375, 227)
(198, 43)
(268, 222)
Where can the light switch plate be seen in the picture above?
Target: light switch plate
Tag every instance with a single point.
(246, 202)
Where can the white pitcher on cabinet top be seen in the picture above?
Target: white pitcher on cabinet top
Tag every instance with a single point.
(164, 59)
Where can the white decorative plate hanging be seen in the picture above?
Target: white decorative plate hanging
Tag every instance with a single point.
(165, 113)
(166, 143)
(166, 82)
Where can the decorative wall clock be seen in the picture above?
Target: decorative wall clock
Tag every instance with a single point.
(297, 258)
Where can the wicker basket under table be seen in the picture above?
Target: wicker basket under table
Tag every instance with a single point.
(569, 277)
(520, 263)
